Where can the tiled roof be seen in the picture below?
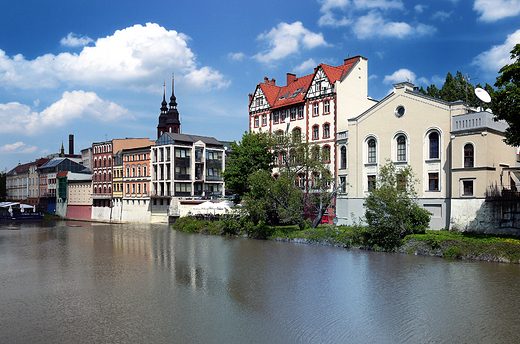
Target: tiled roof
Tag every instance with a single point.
(24, 168)
(301, 84)
(271, 92)
(274, 93)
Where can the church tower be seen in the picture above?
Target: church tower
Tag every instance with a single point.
(169, 117)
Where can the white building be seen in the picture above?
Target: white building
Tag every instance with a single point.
(184, 167)
(457, 153)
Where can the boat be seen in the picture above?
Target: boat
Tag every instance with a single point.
(18, 211)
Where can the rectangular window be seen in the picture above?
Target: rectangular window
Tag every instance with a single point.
(276, 117)
(327, 106)
(315, 132)
(264, 119)
(315, 109)
(326, 130)
(371, 182)
(433, 181)
(256, 121)
(343, 184)
(300, 112)
(293, 114)
(467, 187)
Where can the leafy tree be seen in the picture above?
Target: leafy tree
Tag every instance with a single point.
(247, 157)
(3, 187)
(300, 184)
(457, 88)
(506, 100)
(392, 211)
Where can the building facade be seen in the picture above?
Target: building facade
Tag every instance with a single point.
(455, 151)
(136, 184)
(314, 106)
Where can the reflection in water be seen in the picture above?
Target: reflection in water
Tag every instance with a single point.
(68, 281)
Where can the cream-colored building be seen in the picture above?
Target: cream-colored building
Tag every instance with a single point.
(457, 153)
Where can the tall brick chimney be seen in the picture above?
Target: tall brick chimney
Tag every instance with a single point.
(290, 78)
(71, 144)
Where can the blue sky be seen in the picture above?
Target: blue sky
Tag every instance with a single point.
(96, 69)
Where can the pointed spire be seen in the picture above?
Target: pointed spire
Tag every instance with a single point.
(164, 104)
(62, 152)
(173, 100)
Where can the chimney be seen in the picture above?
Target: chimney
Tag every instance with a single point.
(271, 82)
(290, 78)
(71, 144)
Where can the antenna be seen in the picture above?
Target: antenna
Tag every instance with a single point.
(483, 96)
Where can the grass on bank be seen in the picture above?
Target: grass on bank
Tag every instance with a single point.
(447, 244)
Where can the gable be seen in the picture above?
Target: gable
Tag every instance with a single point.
(320, 85)
(259, 101)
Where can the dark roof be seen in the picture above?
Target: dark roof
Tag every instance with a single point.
(193, 138)
(24, 168)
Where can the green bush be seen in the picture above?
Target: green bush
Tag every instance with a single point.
(392, 211)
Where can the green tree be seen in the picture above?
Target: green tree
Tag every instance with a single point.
(392, 211)
(506, 100)
(248, 156)
(457, 88)
(300, 184)
(3, 187)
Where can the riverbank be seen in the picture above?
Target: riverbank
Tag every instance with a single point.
(444, 244)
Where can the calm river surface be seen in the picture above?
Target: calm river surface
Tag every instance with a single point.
(71, 282)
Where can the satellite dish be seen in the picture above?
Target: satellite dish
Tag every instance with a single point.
(482, 95)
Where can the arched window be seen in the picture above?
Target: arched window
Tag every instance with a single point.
(127, 171)
(139, 188)
(326, 130)
(297, 134)
(139, 170)
(144, 170)
(109, 161)
(133, 170)
(434, 145)
(401, 148)
(469, 159)
(144, 189)
(316, 153)
(343, 157)
(371, 151)
(315, 132)
(326, 153)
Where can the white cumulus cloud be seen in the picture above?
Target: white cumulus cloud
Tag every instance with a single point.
(493, 10)
(374, 24)
(305, 66)
(498, 56)
(400, 76)
(17, 148)
(73, 40)
(236, 56)
(288, 39)
(135, 57)
(75, 105)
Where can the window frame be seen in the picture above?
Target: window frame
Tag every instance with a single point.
(469, 159)
(371, 151)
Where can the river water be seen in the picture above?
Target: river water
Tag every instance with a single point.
(72, 282)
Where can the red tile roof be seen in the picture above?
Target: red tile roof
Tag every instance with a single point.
(274, 93)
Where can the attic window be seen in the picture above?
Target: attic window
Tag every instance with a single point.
(295, 93)
(284, 96)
